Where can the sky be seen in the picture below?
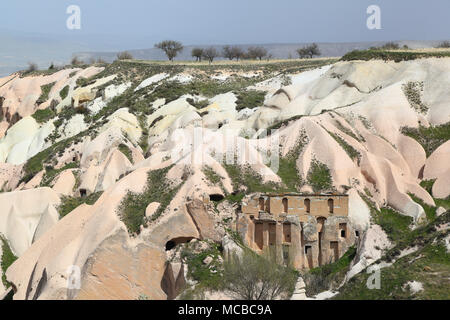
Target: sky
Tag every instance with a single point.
(134, 22)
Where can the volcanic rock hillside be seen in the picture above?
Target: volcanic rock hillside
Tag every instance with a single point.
(102, 171)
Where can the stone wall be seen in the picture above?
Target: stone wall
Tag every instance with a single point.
(305, 230)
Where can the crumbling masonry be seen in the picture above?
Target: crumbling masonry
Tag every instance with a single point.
(305, 230)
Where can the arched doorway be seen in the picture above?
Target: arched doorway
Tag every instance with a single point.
(320, 230)
(172, 243)
(261, 204)
(308, 205)
(330, 205)
(285, 205)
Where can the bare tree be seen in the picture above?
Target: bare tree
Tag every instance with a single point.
(197, 53)
(210, 54)
(101, 61)
(257, 52)
(226, 52)
(390, 46)
(253, 277)
(170, 47)
(32, 67)
(76, 61)
(309, 51)
(444, 44)
(238, 53)
(125, 55)
(233, 52)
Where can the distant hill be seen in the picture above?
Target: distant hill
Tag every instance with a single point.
(278, 51)
(19, 48)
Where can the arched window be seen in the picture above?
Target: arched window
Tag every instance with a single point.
(331, 205)
(261, 204)
(285, 205)
(308, 205)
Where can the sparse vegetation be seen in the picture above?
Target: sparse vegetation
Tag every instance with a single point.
(199, 104)
(233, 52)
(126, 151)
(76, 61)
(430, 265)
(68, 204)
(245, 177)
(430, 138)
(319, 177)
(32, 67)
(64, 92)
(51, 173)
(125, 55)
(43, 115)
(287, 170)
(158, 189)
(309, 51)
(7, 259)
(390, 46)
(249, 99)
(444, 44)
(254, 277)
(351, 152)
(210, 54)
(257, 53)
(45, 90)
(207, 275)
(211, 175)
(413, 92)
(170, 47)
(328, 276)
(48, 156)
(282, 123)
(197, 53)
(386, 55)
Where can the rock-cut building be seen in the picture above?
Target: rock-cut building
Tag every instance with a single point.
(306, 230)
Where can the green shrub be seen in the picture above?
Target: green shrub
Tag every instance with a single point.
(64, 92)
(351, 152)
(208, 276)
(430, 138)
(397, 56)
(43, 115)
(51, 173)
(246, 176)
(211, 175)
(45, 90)
(413, 92)
(319, 177)
(430, 211)
(200, 104)
(322, 278)
(427, 185)
(126, 151)
(68, 204)
(254, 277)
(48, 156)
(249, 99)
(428, 265)
(158, 189)
(7, 259)
(282, 123)
(393, 223)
